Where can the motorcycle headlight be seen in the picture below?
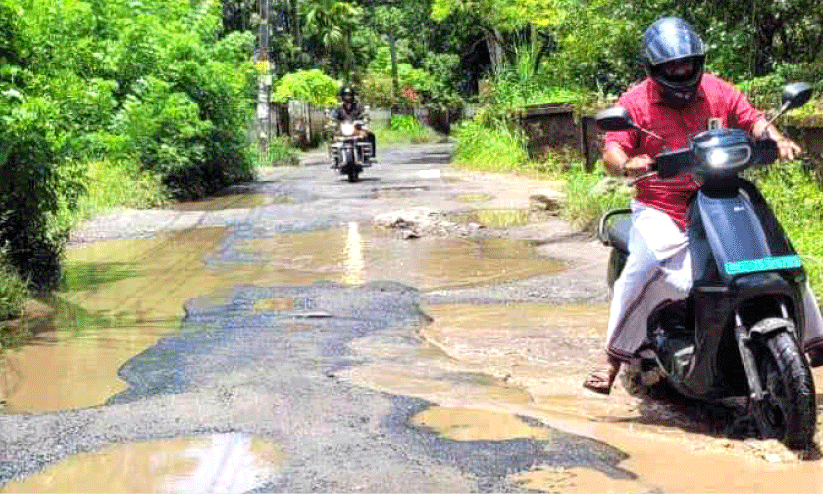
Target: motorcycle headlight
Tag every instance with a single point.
(728, 157)
(347, 129)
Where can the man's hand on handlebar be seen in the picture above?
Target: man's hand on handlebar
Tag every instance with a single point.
(637, 166)
(787, 149)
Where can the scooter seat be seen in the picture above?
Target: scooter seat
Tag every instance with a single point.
(618, 234)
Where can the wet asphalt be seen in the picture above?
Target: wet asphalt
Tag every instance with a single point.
(233, 368)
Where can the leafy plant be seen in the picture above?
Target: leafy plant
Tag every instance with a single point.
(307, 85)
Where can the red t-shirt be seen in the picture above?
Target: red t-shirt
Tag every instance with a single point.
(715, 99)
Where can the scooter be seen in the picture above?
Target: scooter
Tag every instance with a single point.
(736, 339)
(349, 153)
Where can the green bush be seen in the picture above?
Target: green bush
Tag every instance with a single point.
(403, 129)
(797, 200)
(13, 293)
(585, 204)
(307, 85)
(29, 189)
(495, 147)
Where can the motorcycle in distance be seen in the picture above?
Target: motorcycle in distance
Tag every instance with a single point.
(736, 339)
(350, 154)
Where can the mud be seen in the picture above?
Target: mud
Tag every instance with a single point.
(539, 354)
(120, 296)
(230, 463)
(233, 201)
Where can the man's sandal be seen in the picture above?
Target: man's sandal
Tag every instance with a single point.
(600, 381)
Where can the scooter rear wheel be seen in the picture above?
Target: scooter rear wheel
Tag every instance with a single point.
(789, 410)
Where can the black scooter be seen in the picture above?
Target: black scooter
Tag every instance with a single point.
(736, 339)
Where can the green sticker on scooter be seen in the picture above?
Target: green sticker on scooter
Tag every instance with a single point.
(765, 264)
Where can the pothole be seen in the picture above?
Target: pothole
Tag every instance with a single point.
(233, 201)
(220, 463)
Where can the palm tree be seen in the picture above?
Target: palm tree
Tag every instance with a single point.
(331, 23)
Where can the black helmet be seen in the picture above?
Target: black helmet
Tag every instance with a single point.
(347, 94)
(672, 39)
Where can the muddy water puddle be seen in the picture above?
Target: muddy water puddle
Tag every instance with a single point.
(219, 463)
(232, 201)
(358, 254)
(537, 356)
(120, 296)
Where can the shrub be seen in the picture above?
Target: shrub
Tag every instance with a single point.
(307, 85)
(13, 293)
(494, 147)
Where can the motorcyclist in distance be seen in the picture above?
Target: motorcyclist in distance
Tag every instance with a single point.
(675, 101)
(350, 110)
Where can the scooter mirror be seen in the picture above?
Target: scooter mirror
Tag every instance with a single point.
(615, 118)
(796, 95)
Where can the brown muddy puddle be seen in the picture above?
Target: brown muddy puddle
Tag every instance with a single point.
(232, 201)
(120, 296)
(358, 254)
(220, 463)
(537, 356)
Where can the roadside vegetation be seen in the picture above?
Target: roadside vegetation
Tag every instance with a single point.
(113, 103)
(402, 129)
(136, 103)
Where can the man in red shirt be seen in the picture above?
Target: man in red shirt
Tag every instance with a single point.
(675, 101)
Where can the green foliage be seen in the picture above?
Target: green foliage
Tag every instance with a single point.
(108, 184)
(279, 152)
(13, 293)
(376, 89)
(90, 85)
(307, 85)
(403, 129)
(764, 92)
(585, 204)
(797, 200)
(495, 147)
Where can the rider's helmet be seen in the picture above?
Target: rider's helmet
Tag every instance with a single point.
(347, 95)
(673, 40)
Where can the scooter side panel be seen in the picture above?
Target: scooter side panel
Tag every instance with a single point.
(733, 231)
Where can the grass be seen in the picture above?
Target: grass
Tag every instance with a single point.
(279, 152)
(403, 129)
(797, 200)
(496, 148)
(13, 293)
(108, 184)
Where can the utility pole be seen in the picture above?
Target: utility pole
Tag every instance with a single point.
(263, 63)
(295, 23)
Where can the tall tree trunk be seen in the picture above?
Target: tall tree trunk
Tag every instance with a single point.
(764, 33)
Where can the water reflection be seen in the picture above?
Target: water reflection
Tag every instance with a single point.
(226, 463)
(120, 296)
(355, 266)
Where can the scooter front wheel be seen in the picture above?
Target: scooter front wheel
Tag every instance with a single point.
(788, 412)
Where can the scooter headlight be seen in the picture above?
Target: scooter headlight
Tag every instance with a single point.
(347, 129)
(728, 157)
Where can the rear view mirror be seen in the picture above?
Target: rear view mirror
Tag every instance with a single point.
(615, 118)
(796, 95)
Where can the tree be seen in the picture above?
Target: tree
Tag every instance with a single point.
(328, 25)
